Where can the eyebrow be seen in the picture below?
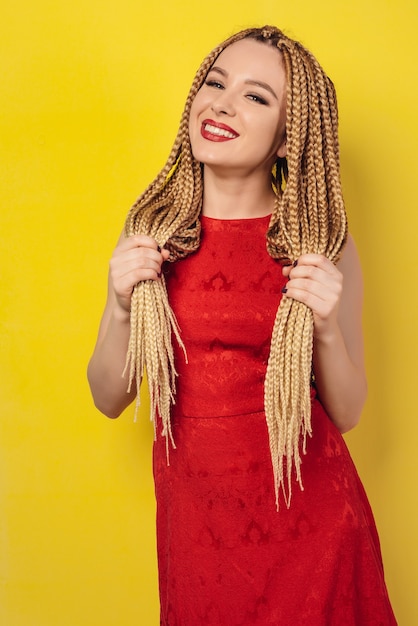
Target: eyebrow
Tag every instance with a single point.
(256, 83)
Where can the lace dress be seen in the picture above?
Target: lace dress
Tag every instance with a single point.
(226, 556)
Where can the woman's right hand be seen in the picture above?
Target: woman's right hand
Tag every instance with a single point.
(134, 259)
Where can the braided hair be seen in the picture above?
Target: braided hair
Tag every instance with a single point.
(308, 217)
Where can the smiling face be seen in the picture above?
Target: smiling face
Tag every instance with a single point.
(238, 117)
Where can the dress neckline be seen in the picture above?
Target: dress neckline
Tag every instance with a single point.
(248, 223)
(239, 219)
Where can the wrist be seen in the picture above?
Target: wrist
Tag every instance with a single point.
(120, 315)
(327, 336)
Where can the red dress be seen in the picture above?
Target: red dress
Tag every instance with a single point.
(226, 556)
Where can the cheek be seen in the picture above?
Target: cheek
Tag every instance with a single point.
(192, 114)
(272, 135)
(194, 126)
(195, 110)
(199, 104)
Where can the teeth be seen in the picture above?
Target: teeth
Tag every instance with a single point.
(221, 132)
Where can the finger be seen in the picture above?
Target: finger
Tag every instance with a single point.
(306, 265)
(325, 273)
(124, 285)
(127, 281)
(286, 269)
(319, 281)
(139, 241)
(137, 266)
(137, 262)
(317, 296)
(140, 257)
(322, 309)
(318, 260)
(303, 290)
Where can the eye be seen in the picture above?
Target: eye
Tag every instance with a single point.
(211, 82)
(256, 98)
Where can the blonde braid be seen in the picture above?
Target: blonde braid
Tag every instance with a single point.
(309, 216)
(167, 210)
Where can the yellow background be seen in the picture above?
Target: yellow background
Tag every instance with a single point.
(91, 95)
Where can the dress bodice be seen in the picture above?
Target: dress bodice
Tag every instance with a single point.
(226, 317)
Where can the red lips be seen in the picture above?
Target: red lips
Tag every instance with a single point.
(215, 131)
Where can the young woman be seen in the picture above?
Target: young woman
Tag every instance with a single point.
(236, 286)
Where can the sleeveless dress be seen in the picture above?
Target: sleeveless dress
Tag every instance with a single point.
(226, 556)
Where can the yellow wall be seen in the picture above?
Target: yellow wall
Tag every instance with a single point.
(91, 94)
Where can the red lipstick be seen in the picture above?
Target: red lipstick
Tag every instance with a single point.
(215, 131)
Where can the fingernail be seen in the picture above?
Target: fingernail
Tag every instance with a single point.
(284, 290)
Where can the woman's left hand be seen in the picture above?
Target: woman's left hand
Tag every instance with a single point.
(338, 355)
(316, 282)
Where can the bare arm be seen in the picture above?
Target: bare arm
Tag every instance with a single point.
(335, 295)
(134, 259)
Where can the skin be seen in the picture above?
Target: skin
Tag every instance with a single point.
(237, 173)
(246, 93)
(134, 259)
(335, 295)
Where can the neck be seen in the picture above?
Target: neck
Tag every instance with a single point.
(236, 198)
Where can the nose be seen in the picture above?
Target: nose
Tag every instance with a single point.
(223, 104)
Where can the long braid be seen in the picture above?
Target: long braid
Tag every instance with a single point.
(168, 210)
(309, 216)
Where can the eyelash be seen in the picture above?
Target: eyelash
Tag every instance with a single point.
(251, 96)
(214, 83)
(256, 98)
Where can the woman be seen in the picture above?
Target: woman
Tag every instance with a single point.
(252, 389)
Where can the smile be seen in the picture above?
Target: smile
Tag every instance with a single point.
(217, 132)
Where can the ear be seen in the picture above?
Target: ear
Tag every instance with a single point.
(282, 149)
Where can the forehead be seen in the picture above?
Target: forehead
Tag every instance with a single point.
(252, 58)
